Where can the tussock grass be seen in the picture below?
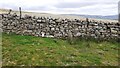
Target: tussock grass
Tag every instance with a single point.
(29, 50)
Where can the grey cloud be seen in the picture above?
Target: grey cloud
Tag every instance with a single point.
(15, 7)
(73, 4)
(9, 6)
(82, 4)
(103, 7)
(43, 8)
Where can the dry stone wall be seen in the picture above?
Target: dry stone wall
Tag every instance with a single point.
(58, 27)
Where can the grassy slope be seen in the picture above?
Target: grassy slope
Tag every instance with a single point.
(29, 50)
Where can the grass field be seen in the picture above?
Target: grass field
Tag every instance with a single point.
(29, 50)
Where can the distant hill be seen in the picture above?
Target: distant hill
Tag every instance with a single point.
(111, 17)
(114, 17)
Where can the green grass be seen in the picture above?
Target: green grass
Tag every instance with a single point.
(29, 50)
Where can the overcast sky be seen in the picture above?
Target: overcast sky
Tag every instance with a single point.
(90, 7)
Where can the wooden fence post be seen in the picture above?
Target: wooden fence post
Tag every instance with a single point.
(20, 12)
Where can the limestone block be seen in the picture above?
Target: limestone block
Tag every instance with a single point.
(43, 34)
(66, 26)
(33, 33)
(65, 21)
(79, 27)
(41, 25)
(50, 36)
(1, 25)
(50, 26)
(96, 24)
(58, 35)
(39, 21)
(30, 31)
(0, 16)
(58, 21)
(78, 34)
(47, 20)
(43, 21)
(57, 29)
(52, 29)
(76, 29)
(5, 23)
(115, 35)
(53, 22)
(9, 28)
(14, 28)
(114, 31)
